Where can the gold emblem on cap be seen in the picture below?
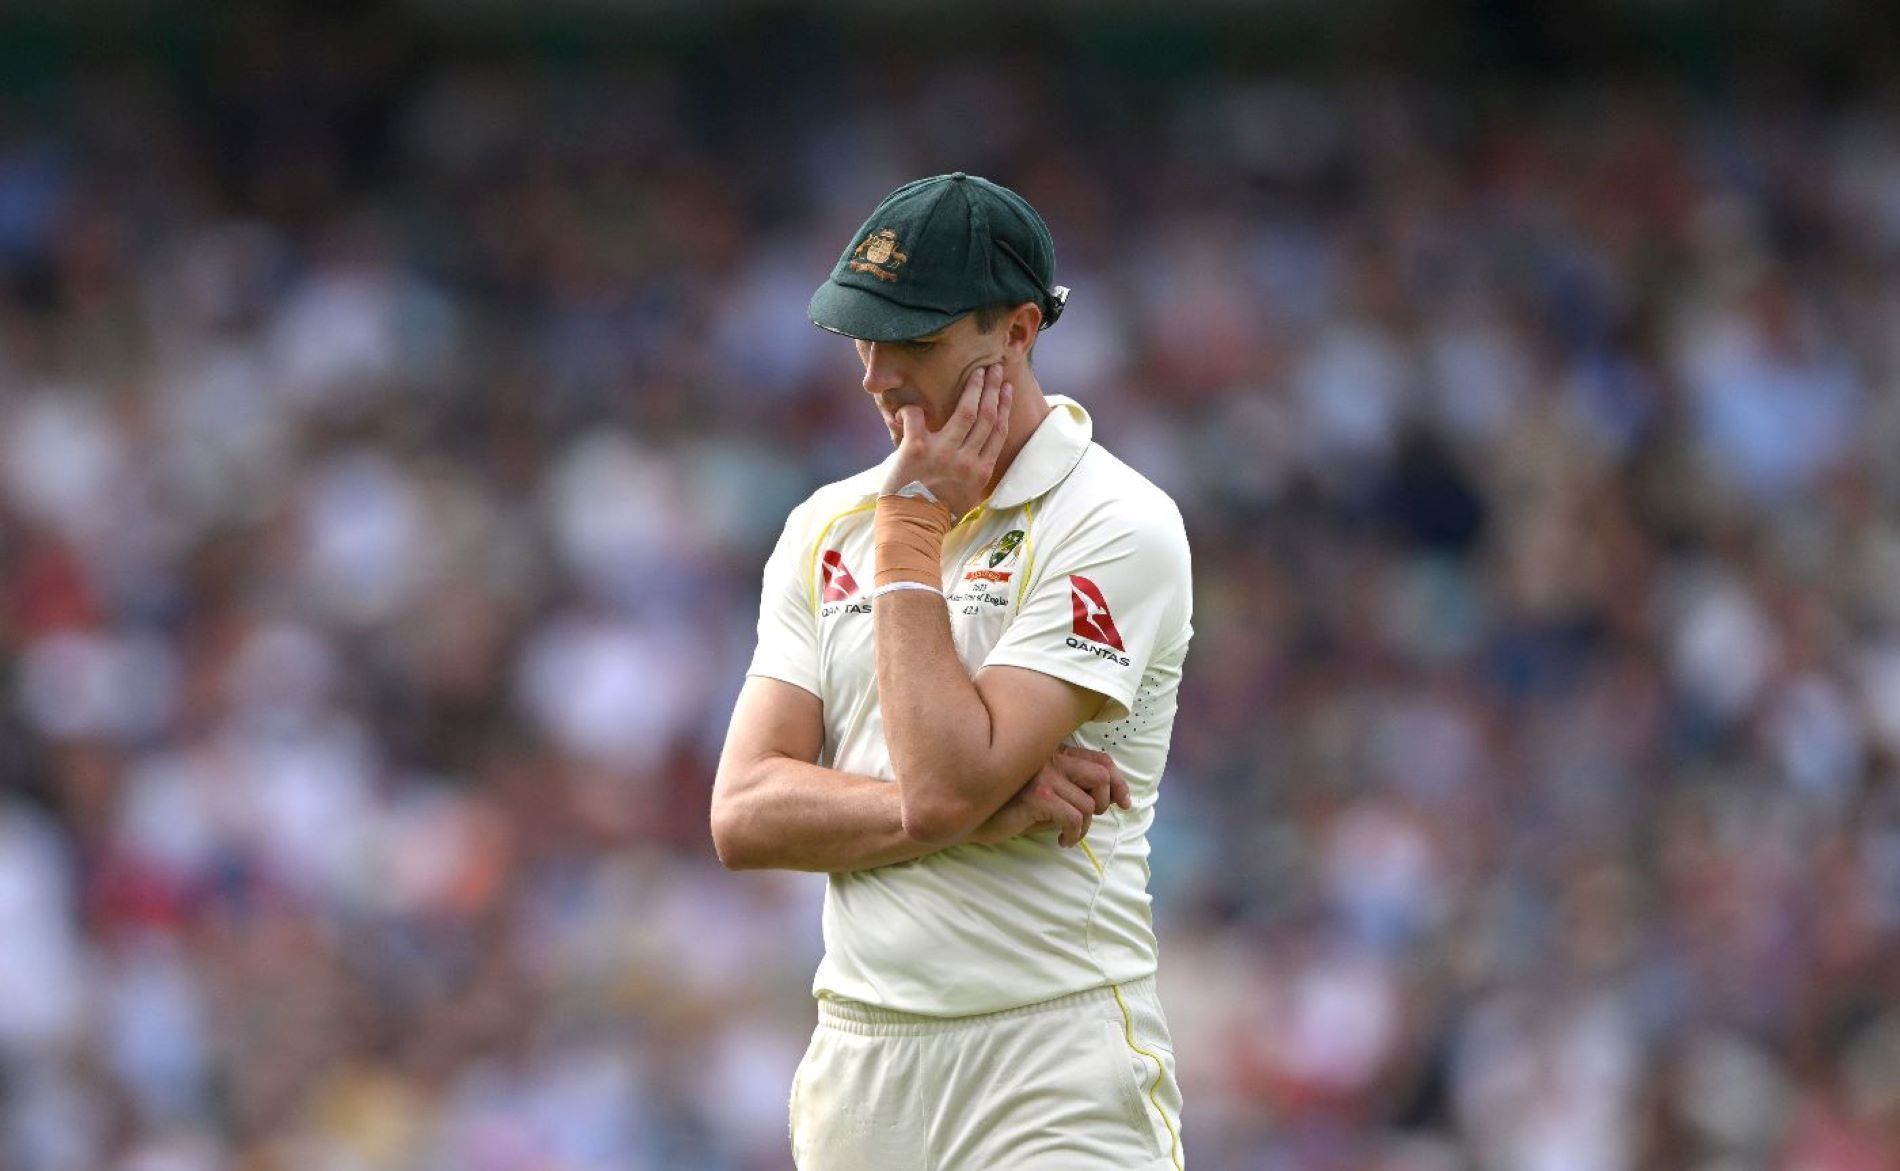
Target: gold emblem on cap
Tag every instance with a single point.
(878, 255)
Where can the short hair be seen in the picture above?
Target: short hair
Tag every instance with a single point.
(988, 316)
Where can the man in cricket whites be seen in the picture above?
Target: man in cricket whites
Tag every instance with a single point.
(959, 709)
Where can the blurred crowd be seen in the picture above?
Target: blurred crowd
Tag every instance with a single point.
(391, 441)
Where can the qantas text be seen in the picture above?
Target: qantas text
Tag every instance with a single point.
(1100, 652)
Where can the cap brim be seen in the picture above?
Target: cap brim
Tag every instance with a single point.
(869, 317)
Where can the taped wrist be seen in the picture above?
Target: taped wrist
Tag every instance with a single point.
(909, 533)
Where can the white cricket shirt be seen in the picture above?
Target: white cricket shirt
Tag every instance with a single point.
(1077, 567)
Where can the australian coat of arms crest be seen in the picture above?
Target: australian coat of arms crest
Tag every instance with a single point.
(879, 255)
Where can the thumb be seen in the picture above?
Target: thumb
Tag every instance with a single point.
(910, 422)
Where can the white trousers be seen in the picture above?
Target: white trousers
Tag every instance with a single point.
(1081, 1083)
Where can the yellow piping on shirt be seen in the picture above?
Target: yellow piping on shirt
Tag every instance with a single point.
(811, 562)
(1093, 860)
(1029, 556)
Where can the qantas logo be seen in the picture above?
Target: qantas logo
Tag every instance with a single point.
(839, 584)
(1092, 619)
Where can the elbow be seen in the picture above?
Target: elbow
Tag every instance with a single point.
(730, 841)
(943, 805)
(938, 821)
(727, 846)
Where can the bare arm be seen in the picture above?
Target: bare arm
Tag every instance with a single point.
(773, 808)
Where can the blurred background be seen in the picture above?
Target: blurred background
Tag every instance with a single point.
(397, 405)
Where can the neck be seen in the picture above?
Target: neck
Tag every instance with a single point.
(1026, 412)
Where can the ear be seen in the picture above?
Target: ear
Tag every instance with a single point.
(1020, 328)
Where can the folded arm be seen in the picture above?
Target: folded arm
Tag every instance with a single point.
(961, 746)
(774, 808)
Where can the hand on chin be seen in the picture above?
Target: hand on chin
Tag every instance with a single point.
(954, 461)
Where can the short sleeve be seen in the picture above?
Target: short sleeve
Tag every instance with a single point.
(788, 628)
(1105, 600)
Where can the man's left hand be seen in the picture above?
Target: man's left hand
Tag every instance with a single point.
(956, 462)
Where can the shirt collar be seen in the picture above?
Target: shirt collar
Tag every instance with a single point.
(1051, 454)
(1053, 450)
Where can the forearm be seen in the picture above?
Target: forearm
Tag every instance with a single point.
(791, 815)
(936, 725)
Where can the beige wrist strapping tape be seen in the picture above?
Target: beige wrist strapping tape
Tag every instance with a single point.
(909, 533)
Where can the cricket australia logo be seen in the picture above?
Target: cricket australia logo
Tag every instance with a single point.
(878, 255)
(1094, 627)
(981, 570)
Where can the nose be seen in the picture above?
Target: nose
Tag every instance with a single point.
(881, 373)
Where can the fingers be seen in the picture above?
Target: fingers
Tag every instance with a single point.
(969, 407)
(1062, 795)
(1092, 776)
(910, 425)
(1113, 785)
(985, 425)
(972, 426)
(992, 445)
(1074, 826)
(1063, 802)
(1070, 837)
(1067, 793)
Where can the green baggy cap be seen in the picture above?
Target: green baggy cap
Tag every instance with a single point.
(934, 250)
